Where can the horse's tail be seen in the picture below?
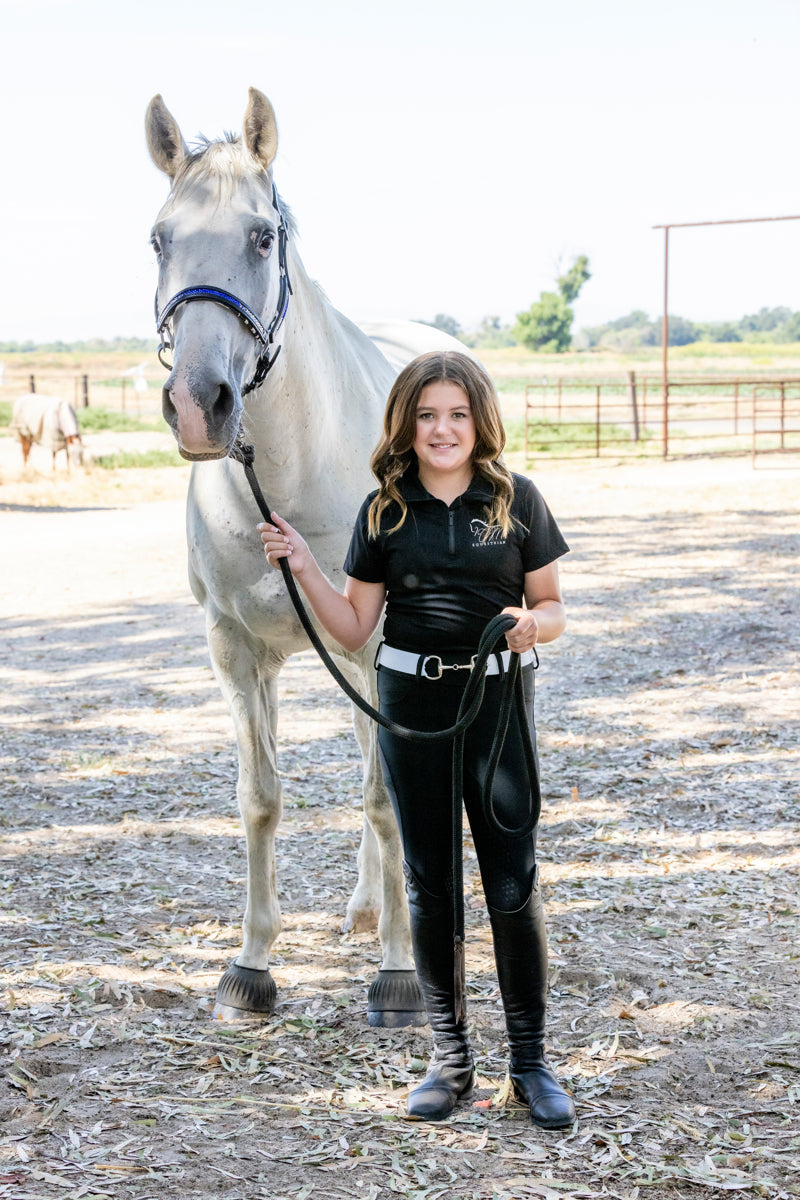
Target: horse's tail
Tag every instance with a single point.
(68, 420)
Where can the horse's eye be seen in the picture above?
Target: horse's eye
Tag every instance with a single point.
(265, 242)
(156, 244)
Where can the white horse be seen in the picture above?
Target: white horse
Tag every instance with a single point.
(305, 386)
(50, 422)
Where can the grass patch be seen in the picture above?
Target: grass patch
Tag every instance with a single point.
(546, 436)
(99, 420)
(515, 434)
(148, 458)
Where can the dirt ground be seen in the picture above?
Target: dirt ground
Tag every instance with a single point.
(668, 727)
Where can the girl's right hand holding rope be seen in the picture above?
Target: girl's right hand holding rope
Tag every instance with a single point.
(282, 541)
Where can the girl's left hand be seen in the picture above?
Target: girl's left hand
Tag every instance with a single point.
(525, 633)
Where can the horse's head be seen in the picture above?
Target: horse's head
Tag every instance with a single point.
(219, 239)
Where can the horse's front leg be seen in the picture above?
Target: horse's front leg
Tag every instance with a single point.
(394, 997)
(247, 987)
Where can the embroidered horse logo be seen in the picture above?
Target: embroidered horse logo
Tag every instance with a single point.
(486, 535)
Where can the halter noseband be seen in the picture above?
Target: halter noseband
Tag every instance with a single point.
(251, 321)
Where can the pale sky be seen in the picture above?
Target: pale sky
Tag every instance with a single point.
(439, 155)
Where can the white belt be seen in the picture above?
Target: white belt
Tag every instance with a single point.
(430, 666)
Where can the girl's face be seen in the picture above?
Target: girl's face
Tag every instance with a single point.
(445, 436)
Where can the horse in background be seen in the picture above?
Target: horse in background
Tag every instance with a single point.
(48, 422)
(259, 355)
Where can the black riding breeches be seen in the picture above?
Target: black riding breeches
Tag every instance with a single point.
(419, 777)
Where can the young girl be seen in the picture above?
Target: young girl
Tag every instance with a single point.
(449, 539)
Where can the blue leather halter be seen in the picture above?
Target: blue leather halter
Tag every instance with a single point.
(251, 321)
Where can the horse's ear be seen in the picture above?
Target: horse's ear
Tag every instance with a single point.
(261, 129)
(164, 138)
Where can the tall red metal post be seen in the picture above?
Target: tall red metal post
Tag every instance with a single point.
(665, 352)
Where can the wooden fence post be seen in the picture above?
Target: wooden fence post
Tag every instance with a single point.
(783, 416)
(634, 409)
(736, 407)
(665, 420)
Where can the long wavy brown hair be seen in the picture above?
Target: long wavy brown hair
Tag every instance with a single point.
(395, 453)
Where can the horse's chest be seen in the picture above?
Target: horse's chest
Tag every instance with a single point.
(229, 575)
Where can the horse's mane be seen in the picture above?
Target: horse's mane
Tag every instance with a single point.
(229, 162)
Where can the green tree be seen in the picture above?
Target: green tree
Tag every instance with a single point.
(547, 324)
(445, 322)
(570, 284)
(718, 331)
(790, 330)
(681, 332)
(491, 334)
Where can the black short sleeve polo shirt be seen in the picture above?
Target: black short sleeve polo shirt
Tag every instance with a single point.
(444, 577)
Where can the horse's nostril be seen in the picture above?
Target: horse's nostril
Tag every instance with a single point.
(168, 409)
(223, 406)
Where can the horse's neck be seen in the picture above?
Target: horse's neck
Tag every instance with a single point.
(320, 407)
(343, 358)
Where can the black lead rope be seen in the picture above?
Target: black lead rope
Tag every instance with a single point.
(471, 700)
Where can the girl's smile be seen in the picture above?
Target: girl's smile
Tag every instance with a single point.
(445, 434)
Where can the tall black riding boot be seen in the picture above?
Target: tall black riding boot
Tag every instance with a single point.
(520, 951)
(450, 1075)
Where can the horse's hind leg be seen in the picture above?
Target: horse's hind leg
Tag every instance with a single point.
(247, 988)
(394, 996)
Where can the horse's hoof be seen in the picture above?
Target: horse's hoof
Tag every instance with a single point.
(394, 1000)
(361, 920)
(244, 994)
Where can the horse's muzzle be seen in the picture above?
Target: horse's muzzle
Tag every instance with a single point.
(204, 416)
(202, 457)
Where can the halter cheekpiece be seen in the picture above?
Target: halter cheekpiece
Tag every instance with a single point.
(251, 321)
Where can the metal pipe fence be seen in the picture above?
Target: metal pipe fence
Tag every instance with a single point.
(630, 416)
(619, 417)
(138, 395)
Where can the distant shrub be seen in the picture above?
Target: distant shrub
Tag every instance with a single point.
(147, 458)
(445, 322)
(772, 325)
(92, 346)
(491, 334)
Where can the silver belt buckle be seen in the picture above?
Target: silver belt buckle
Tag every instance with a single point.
(442, 668)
